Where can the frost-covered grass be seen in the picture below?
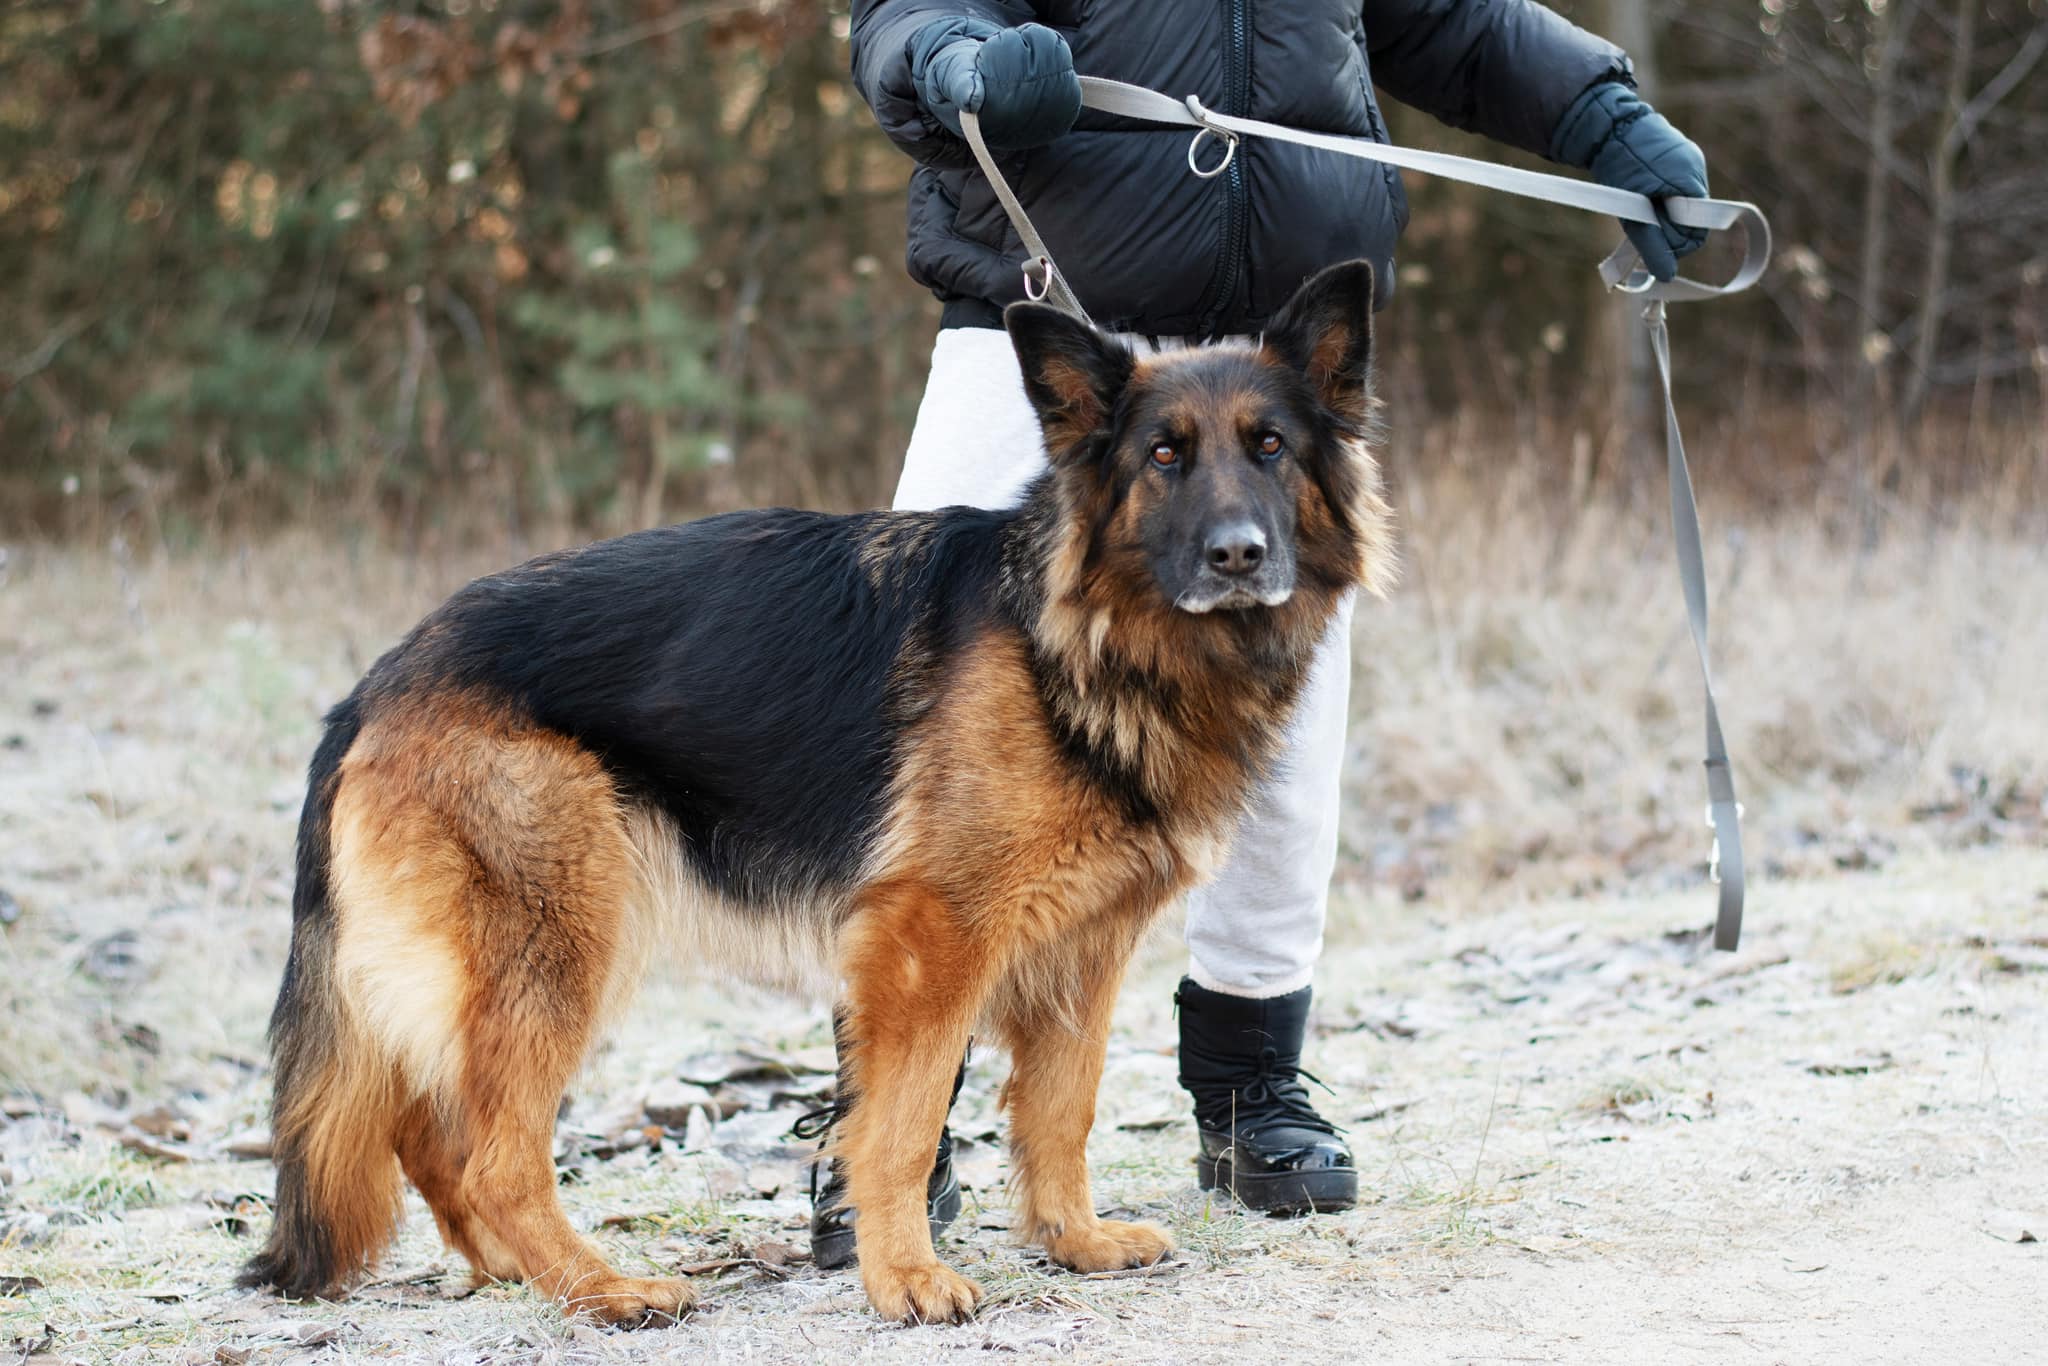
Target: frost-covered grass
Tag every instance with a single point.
(1584, 1136)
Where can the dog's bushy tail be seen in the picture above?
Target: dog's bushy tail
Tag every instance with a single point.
(333, 1107)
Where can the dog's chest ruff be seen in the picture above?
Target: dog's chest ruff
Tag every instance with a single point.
(993, 811)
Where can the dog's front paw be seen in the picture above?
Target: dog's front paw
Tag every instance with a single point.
(1109, 1245)
(927, 1293)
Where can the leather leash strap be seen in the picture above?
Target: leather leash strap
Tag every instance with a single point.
(1622, 271)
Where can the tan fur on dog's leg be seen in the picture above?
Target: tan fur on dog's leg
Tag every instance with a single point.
(527, 1032)
(487, 876)
(913, 987)
(431, 1154)
(1055, 1074)
(511, 1184)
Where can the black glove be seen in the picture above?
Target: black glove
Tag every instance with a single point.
(1611, 132)
(1020, 81)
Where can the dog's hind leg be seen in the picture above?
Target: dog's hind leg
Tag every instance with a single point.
(490, 892)
(914, 985)
(1057, 1034)
(509, 1182)
(430, 1151)
(548, 943)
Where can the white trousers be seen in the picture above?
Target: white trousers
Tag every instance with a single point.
(1258, 928)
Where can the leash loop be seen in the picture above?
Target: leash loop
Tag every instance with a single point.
(1623, 269)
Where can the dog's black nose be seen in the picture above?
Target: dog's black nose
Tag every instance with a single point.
(1236, 548)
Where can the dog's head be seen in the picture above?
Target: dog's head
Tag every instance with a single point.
(1230, 477)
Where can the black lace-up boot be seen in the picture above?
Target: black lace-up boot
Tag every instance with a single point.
(1261, 1139)
(832, 1219)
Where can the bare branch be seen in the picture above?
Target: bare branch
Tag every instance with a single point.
(38, 360)
(2001, 85)
(671, 23)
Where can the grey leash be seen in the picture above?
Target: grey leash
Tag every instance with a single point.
(1724, 813)
(1621, 270)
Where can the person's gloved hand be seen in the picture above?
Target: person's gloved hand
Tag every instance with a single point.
(1611, 132)
(1020, 81)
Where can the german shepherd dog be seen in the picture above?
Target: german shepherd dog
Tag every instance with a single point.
(953, 762)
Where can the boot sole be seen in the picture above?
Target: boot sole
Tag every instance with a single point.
(836, 1249)
(1322, 1190)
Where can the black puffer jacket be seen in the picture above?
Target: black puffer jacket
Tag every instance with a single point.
(1150, 248)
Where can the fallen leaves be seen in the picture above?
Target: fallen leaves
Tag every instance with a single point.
(1384, 1109)
(32, 1349)
(248, 1145)
(134, 1140)
(2012, 1226)
(161, 1121)
(780, 1071)
(768, 1256)
(1144, 1087)
(114, 959)
(736, 1104)
(2029, 954)
(1169, 1267)
(291, 1333)
(671, 1101)
(1855, 1065)
(980, 1166)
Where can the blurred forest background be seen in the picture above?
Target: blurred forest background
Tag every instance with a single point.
(594, 263)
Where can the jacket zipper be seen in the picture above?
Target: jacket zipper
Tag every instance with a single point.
(1236, 213)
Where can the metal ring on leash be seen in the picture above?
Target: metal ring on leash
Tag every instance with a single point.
(1637, 279)
(1043, 281)
(1229, 141)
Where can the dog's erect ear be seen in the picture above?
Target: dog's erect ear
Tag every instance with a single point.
(1073, 374)
(1325, 331)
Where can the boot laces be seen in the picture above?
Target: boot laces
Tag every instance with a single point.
(817, 1124)
(1273, 1095)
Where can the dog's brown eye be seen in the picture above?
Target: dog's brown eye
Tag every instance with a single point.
(1164, 454)
(1271, 445)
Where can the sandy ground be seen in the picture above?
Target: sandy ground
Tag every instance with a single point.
(1582, 1135)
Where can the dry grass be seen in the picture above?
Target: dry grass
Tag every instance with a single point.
(1525, 731)
(1528, 705)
